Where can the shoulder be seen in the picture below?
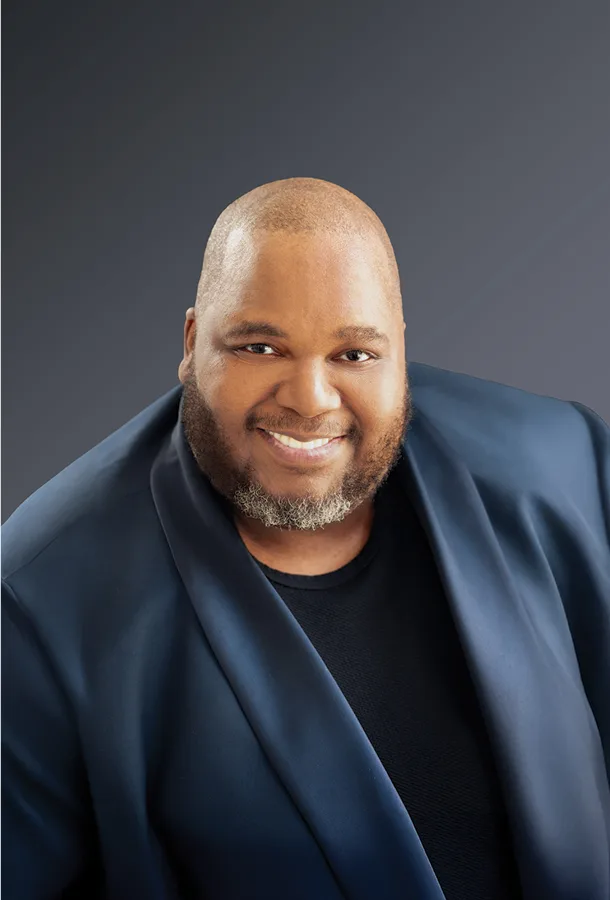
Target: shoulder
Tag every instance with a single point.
(86, 497)
(460, 403)
(516, 438)
(84, 558)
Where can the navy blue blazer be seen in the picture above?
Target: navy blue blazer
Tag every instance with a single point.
(170, 732)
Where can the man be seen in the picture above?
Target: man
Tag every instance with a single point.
(313, 625)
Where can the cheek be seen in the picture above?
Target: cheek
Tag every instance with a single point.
(376, 402)
(230, 393)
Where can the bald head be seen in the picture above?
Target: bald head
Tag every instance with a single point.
(294, 206)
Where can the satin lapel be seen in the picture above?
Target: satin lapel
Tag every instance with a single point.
(545, 743)
(305, 726)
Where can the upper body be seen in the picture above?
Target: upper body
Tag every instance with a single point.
(379, 668)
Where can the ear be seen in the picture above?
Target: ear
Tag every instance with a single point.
(188, 343)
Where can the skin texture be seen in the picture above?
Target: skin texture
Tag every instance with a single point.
(311, 381)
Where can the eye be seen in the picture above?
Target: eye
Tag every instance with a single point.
(257, 349)
(355, 356)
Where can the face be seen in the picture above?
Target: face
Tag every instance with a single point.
(296, 397)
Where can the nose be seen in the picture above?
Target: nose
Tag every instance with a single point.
(308, 391)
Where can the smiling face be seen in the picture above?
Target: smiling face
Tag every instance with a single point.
(301, 344)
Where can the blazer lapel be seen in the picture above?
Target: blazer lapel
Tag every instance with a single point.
(294, 706)
(545, 741)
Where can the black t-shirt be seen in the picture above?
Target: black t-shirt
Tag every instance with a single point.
(383, 627)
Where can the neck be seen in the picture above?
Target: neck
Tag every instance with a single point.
(308, 552)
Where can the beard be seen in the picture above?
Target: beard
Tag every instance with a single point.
(306, 512)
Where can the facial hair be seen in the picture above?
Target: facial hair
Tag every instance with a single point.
(309, 512)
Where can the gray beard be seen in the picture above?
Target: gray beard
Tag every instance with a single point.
(302, 513)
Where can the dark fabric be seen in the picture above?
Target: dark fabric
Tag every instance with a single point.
(383, 627)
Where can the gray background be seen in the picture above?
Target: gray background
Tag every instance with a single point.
(478, 131)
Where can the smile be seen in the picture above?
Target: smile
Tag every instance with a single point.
(292, 450)
(299, 445)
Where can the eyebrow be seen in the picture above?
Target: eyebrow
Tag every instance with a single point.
(248, 329)
(356, 333)
(363, 333)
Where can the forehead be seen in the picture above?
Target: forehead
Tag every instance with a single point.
(303, 281)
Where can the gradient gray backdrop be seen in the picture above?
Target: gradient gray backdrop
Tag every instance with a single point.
(478, 131)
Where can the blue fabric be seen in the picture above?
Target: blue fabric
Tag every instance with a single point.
(167, 722)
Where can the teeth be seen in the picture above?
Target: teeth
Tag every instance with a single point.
(299, 445)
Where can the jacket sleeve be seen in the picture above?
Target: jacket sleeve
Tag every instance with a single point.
(45, 826)
(592, 622)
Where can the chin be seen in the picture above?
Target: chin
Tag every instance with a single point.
(299, 486)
